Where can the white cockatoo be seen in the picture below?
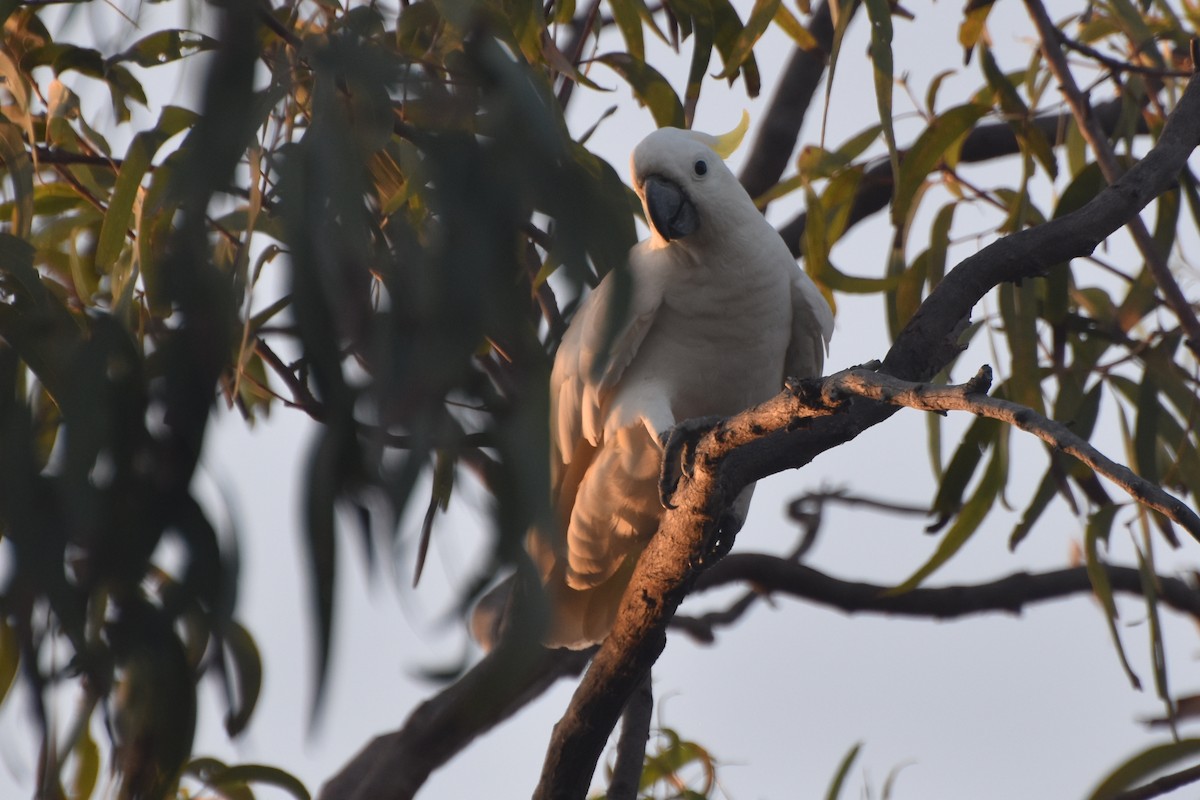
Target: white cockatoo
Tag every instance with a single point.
(718, 316)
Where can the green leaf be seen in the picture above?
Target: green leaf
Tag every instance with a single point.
(87, 765)
(629, 22)
(247, 674)
(843, 770)
(743, 46)
(728, 31)
(260, 773)
(1098, 529)
(880, 14)
(20, 172)
(816, 255)
(1158, 652)
(10, 657)
(1144, 765)
(163, 47)
(137, 161)
(937, 143)
(967, 522)
(649, 87)
(322, 481)
(973, 26)
(1016, 113)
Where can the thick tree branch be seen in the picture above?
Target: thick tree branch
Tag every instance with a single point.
(1156, 260)
(680, 550)
(395, 765)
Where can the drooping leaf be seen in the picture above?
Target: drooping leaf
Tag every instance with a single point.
(879, 12)
(938, 141)
(137, 161)
(649, 87)
(966, 523)
(1144, 765)
(843, 770)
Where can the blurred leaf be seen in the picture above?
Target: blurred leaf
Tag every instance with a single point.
(728, 34)
(247, 676)
(20, 172)
(137, 161)
(1144, 765)
(973, 27)
(10, 657)
(629, 22)
(165, 46)
(87, 765)
(843, 770)
(261, 774)
(325, 467)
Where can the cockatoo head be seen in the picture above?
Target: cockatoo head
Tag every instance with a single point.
(683, 182)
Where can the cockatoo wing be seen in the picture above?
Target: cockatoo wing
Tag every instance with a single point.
(586, 370)
(812, 327)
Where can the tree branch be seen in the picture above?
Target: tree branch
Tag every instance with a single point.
(971, 397)
(1010, 594)
(395, 765)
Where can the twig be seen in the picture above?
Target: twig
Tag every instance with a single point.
(1081, 108)
(1116, 65)
(971, 397)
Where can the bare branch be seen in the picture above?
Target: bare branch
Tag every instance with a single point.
(1010, 594)
(1156, 261)
(972, 397)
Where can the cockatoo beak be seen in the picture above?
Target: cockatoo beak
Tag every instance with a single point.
(671, 212)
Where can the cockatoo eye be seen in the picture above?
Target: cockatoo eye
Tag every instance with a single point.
(701, 168)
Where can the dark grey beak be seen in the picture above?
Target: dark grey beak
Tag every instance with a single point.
(671, 213)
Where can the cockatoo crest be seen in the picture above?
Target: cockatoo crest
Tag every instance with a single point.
(725, 144)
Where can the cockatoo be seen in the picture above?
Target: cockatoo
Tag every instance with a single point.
(719, 315)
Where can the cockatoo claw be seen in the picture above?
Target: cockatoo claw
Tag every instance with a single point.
(679, 454)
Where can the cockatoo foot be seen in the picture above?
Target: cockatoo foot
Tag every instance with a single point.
(679, 454)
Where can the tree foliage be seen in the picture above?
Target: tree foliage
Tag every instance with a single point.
(410, 176)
